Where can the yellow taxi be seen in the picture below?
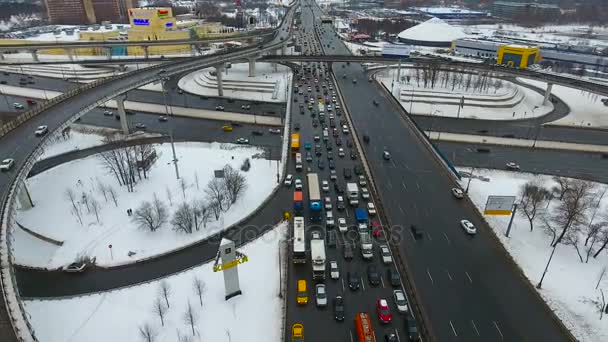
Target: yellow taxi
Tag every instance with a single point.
(302, 298)
(297, 332)
(227, 128)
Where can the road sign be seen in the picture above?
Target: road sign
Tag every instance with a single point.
(499, 205)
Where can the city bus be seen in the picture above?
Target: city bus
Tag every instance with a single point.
(314, 196)
(295, 142)
(363, 328)
(299, 241)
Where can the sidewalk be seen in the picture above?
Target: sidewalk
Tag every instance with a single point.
(542, 144)
(156, 108)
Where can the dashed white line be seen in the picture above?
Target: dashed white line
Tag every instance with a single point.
(362, 283)
(401, 209)
(418, 186)
(390, 185)
(429, 273)
(412, 235)
(404, 187)
(497, 328)
(342, 284)
(429, 236)
(351, 335)
(475, 328)
(453, 330)
(382, 281)
(447, 238)
(397, 333)
(449, 275)
(468, 276)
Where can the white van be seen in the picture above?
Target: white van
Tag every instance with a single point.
(298, 161)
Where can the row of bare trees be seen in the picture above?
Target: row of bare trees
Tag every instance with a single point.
(574, 219)
(220, 195)
(81, 199)
(161, 306)
(434, 75)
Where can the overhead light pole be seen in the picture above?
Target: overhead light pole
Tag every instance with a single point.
(170, 128)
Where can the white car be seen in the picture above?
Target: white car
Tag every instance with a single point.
(371, 208)
(325, 186)
(458, 193)
(344, 129)
(219, 107)
(288, 180)
(108, 113)
(342, 227)
(341, 152)
(321, 295)
(274, 130)
(298, 184)
(362, 181)
(364, 193)
(468, 227)
(17, 105)
(242, 141)
(328, 204)
(7, 164)
(329, 219)
(386, 254)
(246, 107)
(400, 301)
(333, 175)
(334, 272)
(41, 130)
(512, 166)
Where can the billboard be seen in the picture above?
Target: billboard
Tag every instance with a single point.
(499, 205)
(394, 50)
(141, 22)
(162, 13)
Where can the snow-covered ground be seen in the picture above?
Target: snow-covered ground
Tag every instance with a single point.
(115, 227)
(199, 82)
(78, 139)
(525, 103)
(586, 109)
(254, 316)
(569, 286)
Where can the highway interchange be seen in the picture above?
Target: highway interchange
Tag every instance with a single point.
(466, 287)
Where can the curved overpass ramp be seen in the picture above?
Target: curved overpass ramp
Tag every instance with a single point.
(17, 141)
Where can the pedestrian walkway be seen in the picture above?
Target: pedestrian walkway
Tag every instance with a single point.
(542, 144)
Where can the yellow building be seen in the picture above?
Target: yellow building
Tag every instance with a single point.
(518, 56)
(155, 24)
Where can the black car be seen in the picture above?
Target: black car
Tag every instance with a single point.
(339, 142)
(353, 280)
(358, 170)
(393, 277)
(257, 133)
(347, 173)
(329, 147)
(296, 126)
(331, 238)
(339, 189)
(349, 143)
(339, 308)
(318, 152)
(332, 164)
(366, 138)
(353, 155)
(373, 276)
(417, 232)
(330, 156)
(412, 328)
(321, 164)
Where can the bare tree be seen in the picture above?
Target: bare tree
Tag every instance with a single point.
(235, 183)
(196, 180)
(169, 195)
(78, 214)
(183, 185)
(183, 218)
(199, 287)
(572, 211)
(594, 234)
(112, 193)
(103, 190)
(165, 291)
(572, 238)
(549, 229)
(145, 217)
(95, 207)
(563, 185)
(121, 162)
(603, 238)
(147, 332)
(69, 193)
(85, 201)
(533, 196)
(160, 309)
(216, 208)
(201, 213)
(190, 317)
(160, 209)
(216, 191)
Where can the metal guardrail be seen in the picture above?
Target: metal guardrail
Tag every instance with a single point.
(21, 326)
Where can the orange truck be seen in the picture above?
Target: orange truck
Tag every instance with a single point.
(363, 327)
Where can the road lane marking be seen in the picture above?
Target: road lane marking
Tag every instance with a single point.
(390, 185)
(468, 276)
(342, 284)
(429, 236)
(449, 275)
(429, 273)
(497, 328)
(418, 186)
(397, 333)
(401, 209)
(447, 238)
(412, 235)
(351, 335)
(475, 327)
(404, 187)
(362, 283)
(382, 281)
(453, 330)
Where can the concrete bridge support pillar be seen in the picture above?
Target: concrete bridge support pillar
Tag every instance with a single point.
(120, 106)
(35, 56)
(146, 52)
(547, 93)
(1, 55)
(284, 49)
(276, 66)
(218, 73)
(70, 53)
(193, 49)
(251, 66)
(23, 197)
(399, 71)
(109, 53)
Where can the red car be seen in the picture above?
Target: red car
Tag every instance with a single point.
(30, 102)
(376, 228)
(384, 314)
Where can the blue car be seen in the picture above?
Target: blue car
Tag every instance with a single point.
(307, 146)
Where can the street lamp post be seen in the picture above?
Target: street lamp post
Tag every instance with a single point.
(469, 182)
(162, 82)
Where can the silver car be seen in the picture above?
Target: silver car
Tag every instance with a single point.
(400, 301)
(321, 295)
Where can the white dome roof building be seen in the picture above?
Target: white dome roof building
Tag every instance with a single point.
(433, 32)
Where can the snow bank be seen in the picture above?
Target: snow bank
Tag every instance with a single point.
(53, 217)
(569, 286)
(254, 316)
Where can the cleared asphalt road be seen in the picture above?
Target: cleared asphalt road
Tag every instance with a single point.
(468, 289)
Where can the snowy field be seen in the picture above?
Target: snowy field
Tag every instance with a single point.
(115, 227)
(239, 73)
(525, 104)
(569, 286)
(586, 109)
(80, 137)
(254, 316)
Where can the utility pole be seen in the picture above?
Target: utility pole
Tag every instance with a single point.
(469, 183)
(512, 217)
(540, 283)
(162, 82)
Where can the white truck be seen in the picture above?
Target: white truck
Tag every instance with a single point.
(317, 257)
(366, 245)
(352, 192)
